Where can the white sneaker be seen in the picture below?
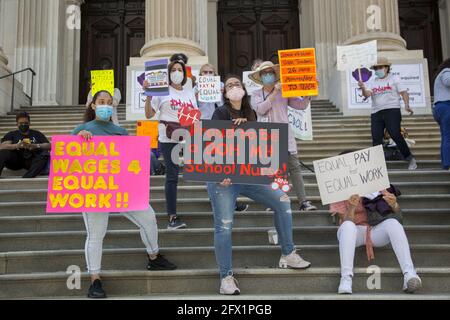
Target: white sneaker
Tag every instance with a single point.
(229, 286)
(411, 283)
(412, 164)
(293, 261)
(345, 287)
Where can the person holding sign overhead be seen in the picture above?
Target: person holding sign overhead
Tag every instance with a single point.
(270, 106)
(223, 197)
(179, 98)
(99, 124)
(386, 90)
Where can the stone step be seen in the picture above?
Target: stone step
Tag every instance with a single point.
(422, 201)
(259, 219)
(395, 175)
(199, 191)
(424, 256)
(280, 297)
(188, 282)
(323, 235)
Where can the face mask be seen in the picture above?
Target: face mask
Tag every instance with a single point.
(268, 79)
(177, 77)
(24, 128)
(380, 73)
(236, 94)
(104, 112)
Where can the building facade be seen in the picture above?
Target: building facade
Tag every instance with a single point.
(62, 40)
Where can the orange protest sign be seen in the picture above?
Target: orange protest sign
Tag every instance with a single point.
(149, 129)
(298, 68)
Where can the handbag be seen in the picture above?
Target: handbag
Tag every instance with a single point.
(375, 218)
(171, 127)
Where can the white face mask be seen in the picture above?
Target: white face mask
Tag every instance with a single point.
(177, 77)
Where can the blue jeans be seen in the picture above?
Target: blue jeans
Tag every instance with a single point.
(154, 164)
(172, 171)
(441, 112)
(223, 203)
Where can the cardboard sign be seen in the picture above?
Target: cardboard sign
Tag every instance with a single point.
(357, 56)
(157, 76)
(298, 72)
(105, 174)
(209, 89)
(250, 85)
(362, 172)
(102, 80)
(253, 153)
(411, 76)
(301, 123)
(148, 129)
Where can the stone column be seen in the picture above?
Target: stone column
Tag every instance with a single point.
(3, 59)
(366, 20)
(174, 26)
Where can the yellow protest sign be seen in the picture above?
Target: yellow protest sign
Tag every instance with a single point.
(298, 71)
(148, 129)
(102, 80)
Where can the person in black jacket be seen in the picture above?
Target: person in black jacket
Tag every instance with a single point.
(25, 149)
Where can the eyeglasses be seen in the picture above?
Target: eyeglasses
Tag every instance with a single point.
(233, 85)
(208, 72)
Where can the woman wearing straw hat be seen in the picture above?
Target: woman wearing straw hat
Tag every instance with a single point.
(386, 90)
(270, 106)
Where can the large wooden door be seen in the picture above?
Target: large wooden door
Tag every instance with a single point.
(420, 27)
(112, 31)
(250, 29)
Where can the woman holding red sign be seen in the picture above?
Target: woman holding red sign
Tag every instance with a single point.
(223, 197)
(180, 104)
(98, 123)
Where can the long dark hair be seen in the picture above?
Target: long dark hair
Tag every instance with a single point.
(444, 65)
(89, 114)
(246, 108)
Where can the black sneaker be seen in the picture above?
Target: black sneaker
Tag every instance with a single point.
(96, 290)
(175, 224)
(241, 207)
(160, 263)
(307, 206)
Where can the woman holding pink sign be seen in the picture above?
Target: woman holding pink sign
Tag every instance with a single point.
(97, 222)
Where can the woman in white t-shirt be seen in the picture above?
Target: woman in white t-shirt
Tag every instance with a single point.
(168, 107)
(386, 91)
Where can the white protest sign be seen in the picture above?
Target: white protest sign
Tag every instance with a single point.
(410, 75)
(301, 123)
(209, 89)
(250, 85)
(356, 56)
(361, 172)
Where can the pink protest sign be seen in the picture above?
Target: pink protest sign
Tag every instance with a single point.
(105, 174)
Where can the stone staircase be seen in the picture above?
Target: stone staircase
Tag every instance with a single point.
(36, 249)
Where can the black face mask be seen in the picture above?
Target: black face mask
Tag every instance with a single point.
(24, 128)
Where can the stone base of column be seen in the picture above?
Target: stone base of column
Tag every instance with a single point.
(387, 41)
(165, 47)
(339, 92)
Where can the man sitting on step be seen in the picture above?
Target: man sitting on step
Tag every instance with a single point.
(25, 149)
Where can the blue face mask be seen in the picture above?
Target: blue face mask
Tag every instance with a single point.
(268, 79)
(380, 73)
(104, 112)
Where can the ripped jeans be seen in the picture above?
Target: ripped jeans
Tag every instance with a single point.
(223, 203)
